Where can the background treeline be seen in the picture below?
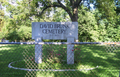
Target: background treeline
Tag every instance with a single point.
(99, 20)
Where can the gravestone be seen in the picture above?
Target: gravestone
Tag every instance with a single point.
(55, 31)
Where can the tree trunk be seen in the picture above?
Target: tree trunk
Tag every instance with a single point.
(74, 17)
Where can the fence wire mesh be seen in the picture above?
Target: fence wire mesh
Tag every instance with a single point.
(90, 59)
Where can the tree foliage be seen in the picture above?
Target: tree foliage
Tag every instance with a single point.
(1, 19)
(100, 24)
(70, 6)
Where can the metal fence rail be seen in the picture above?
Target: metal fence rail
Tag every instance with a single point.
(60, 43)
(41, 43)
(91, 59)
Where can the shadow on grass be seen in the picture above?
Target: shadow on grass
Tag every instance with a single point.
(12, 53)
(90, 55)
(107, 61)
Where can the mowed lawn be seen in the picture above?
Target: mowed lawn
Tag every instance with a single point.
(106, 57)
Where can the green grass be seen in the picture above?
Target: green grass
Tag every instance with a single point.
(54, 57)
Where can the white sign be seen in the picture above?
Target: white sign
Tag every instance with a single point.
(55, 30)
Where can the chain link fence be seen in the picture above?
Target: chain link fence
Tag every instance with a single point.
(90, 59)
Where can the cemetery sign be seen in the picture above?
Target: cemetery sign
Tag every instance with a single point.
(55, 30)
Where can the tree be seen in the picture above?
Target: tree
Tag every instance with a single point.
(60, 16)
(87, 28)
(107, 8)
(16, 22)
(1, 19)
(93, 26)
(1, 16)
(70, 6)
(117, 2)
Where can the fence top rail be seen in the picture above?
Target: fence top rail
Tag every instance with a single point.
(41, 43)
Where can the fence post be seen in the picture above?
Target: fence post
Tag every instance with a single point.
(70, 51)
(38, 50)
